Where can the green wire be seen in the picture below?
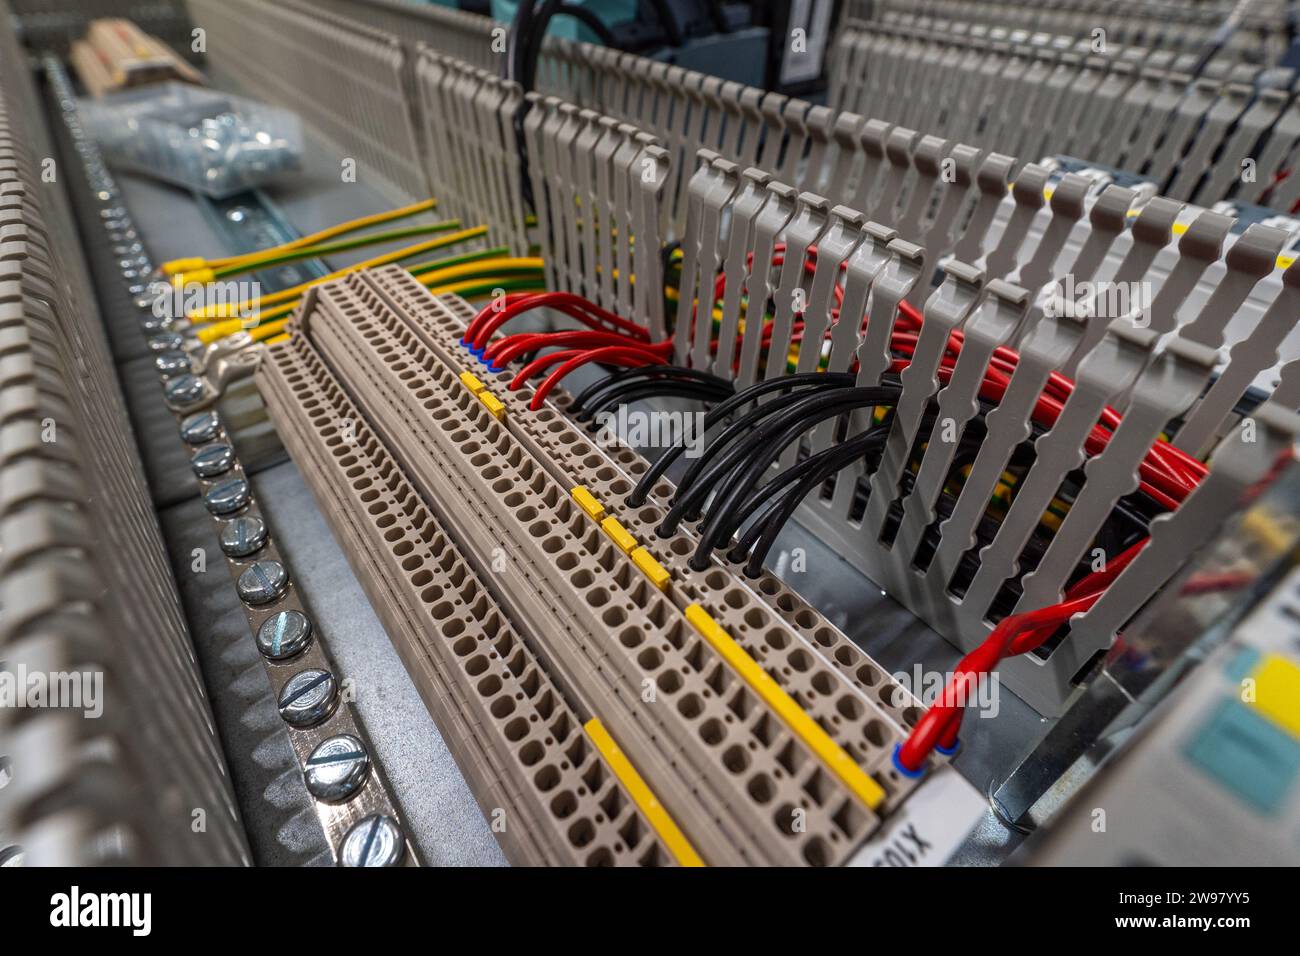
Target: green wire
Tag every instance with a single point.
(343, 245)
(489, 288)
(422, 267)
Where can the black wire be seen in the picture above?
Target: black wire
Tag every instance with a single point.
(787, 426)
(598, 391)
(720, 412)
(700, 470)
(792, 499)
(848, 452)
(669, 389)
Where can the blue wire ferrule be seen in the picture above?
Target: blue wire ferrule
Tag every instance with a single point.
(898, 765)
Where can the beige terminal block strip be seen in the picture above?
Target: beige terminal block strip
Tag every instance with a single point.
(716, 731)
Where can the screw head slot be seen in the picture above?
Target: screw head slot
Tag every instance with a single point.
(200, 427)
(262, 582)
(284, 635)
(308, 697)
(213, 460)
(375, 840)
(243, 536)
(228, 497)
(337, 768)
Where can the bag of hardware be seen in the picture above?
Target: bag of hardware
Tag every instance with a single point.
(210, 142)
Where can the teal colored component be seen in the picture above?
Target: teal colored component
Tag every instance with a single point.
(609, 11)
(1242, 663)
(1247, 755)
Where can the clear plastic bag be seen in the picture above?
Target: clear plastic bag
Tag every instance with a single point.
(202, 139)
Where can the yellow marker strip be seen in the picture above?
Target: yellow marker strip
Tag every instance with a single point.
(659, 575)
(1277, 692)
(794, 716)
(493, 405)
(587, 502)
(619, 534)
(471, 381)
(642, 795)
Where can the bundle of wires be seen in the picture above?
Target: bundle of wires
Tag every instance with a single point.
(607, 339)
(198, 269)
(726, 489)
(477, 274)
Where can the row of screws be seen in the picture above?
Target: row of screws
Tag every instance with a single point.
(339, 766)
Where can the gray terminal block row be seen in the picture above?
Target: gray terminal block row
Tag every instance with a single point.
(1037, 95)
(88, 605)
(1187, 27)
(574, 577)
(471, 147)
(598, 188)
(1188, 384)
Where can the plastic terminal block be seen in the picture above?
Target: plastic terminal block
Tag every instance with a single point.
(841, 680)
(567, 587)
(839, 762)
(510, 727)
(795, 633)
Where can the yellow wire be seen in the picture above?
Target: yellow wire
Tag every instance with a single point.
(457, 287)
(268, 329)
(482, 265)
(220, 330)
(194, 263)
(224, 310)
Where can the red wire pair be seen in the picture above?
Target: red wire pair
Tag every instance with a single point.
(498, 312)
(1017, 634)
(609, 339)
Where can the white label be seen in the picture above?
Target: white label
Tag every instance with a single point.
(931, 824)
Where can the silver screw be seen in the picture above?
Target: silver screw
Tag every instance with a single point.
(243, 536)
(184, 390)
(308, 697)
(151, 323)
(166, 342)
(262, 582)
(227, 497)
(375, 840)
(337, 768)
(200, 427)
(172, 364)
(284, 635)
(213, 460)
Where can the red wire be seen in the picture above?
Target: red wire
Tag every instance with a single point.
(506, 350)
(491, 317)
(609, 355)
(1016, 634)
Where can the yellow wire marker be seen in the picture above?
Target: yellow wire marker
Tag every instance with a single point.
(804, 727)
(642, 795)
